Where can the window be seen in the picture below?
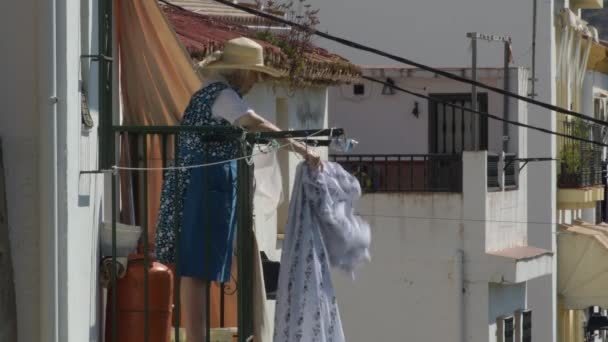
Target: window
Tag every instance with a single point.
(600, 105)
(452, 129)
(526, 329)
(598, 108)
(359, 89)
(505, 331)
(509, 330)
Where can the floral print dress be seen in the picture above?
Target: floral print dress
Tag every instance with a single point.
(196, 219)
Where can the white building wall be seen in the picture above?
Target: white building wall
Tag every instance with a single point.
(504, 300)
(373, 114)
(19, 134)
(506, 226)
(85, 192)
(409, 291)
(53, 212)
(409, 286)
(433, 32)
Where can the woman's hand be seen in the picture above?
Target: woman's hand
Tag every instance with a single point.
(314, 160)
(255, 123)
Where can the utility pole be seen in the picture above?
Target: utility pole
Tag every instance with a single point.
(533, 78)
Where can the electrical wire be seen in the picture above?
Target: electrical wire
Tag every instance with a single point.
(434, 70)
(488, 115)
(403, 60)
(452, 219)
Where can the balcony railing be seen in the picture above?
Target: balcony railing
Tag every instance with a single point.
(136, 188)
(405, 173)
(581, 163)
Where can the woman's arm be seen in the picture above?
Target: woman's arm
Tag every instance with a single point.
(255, 123)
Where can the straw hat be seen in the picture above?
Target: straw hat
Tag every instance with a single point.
(239, 53)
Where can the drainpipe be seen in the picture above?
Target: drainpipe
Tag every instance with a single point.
(460, 290)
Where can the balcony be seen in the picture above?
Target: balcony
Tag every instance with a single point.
(154, 291)
(406, 172)
(422, 172)
(581, 163)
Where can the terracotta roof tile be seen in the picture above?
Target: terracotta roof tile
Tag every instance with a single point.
(203, 34)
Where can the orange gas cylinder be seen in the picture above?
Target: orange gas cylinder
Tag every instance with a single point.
(130, 298)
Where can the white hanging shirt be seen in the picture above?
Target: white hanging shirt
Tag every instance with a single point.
(322, 231)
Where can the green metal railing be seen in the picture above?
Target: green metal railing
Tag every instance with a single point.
(169, 137)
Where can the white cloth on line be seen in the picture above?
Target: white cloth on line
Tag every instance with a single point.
(268, 194)
(322, 231)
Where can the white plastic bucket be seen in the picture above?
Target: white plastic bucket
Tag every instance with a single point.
(126, 239)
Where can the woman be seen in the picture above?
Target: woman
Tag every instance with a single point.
(206, 242)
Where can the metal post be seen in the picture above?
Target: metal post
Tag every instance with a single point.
(533, 79)
(106, 137)
(244, 242)
(207, 231)
(113, 270)
(476, 123)
(145, 241)
(505, 126)
(474, 118)
(176, 230)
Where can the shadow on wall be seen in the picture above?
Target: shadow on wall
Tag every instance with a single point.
(309, 115)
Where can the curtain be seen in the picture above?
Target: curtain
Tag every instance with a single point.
(157, 79)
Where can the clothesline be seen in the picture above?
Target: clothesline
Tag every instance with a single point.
(273, 148)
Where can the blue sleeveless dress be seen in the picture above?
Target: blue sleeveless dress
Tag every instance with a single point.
(204, 212)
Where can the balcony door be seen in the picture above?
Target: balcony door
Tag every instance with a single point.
(452, 129)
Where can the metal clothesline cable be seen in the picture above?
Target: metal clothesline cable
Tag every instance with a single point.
(403, 60)
(488, 115)
(172, 168)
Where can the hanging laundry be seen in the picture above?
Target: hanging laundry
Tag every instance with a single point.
(322, 231)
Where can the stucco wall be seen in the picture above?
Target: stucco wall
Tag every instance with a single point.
(408, 291)
(410, 285)
(506, 226)
(55, 265)
(85, 192)
(410, 282)
(19, 133)
(434, 32)
(504, 301)
(385, 123)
